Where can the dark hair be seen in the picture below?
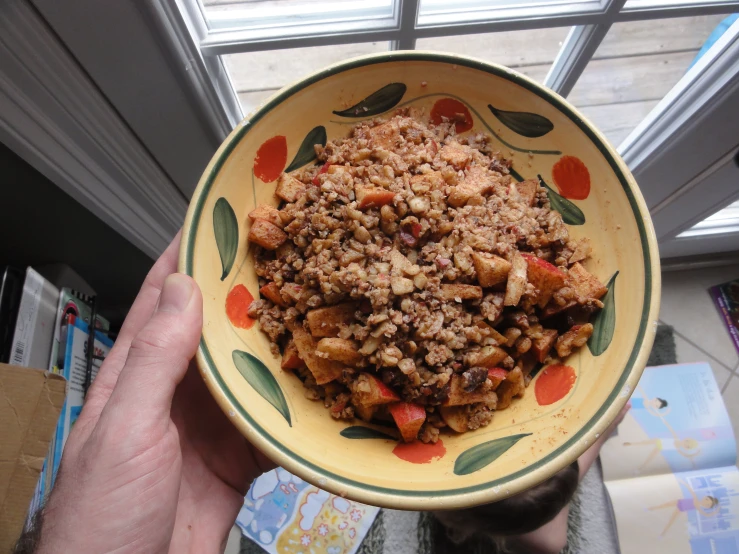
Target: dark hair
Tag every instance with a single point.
(516, 515)
(29, 540)
(662, 403)
(714, 501)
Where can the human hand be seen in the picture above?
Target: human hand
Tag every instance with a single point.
(152, 463)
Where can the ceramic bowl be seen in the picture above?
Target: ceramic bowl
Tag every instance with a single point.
(540, 433)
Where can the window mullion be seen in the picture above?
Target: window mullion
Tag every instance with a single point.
(408, 13)
(577, 50)
(579, 46)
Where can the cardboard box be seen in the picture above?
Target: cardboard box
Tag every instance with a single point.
(30, 402)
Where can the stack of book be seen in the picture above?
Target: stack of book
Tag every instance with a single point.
(46, 326)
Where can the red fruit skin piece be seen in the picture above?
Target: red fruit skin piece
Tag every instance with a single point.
(544, 276)
(409, 418)
(323, 170)
(497, 375)
(379, 393)
(291, 358)
(272, 292)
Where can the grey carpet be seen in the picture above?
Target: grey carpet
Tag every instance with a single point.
(590, 524)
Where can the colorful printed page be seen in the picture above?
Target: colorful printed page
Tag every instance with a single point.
(677, 422)
(693, 512)
(726, 297)
(286, 515)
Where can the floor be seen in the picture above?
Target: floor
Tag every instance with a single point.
(631, 71)
(700, 335)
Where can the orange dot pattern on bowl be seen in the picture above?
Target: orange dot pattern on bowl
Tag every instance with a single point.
(453, 110)
(420, 453)
(237, 306)
(271, 159)
(554, 383)
(572, 178)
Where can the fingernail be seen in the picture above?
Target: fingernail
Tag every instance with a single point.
(176, 294)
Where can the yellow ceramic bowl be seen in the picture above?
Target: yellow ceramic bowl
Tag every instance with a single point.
(524, 444)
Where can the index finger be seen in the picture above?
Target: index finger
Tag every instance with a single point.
(140, 313)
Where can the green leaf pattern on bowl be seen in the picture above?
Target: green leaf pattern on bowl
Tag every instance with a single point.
(362, 432)
(376, 103)
(604, 322)
(226, 230)
(571, 214)
(484, 454)
(307, 153)
(262, 380)
(526, 124)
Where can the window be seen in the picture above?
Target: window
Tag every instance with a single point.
(530, 52)
(257, 75)
(637, 63)
(614, 63)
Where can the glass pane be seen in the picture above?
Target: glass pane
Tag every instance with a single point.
(433, 13)
(635, 66)
(723, 221)
(256, 75)
(529, 52)
(259, 14)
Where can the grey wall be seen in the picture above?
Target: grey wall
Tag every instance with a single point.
(40, 224)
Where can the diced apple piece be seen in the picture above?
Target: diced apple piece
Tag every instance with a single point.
(427, 181)
(462, 292)
(576, 337)
(513, 385)
(456, 154)
(365, 413)
(478, 182)
(372, 197)
(491, 270)
(289, 188)
(492, 332)
(497, 375)
(545, 277)
(456, 417)
(487, 356)
(459, 397)
(409, 418)
(270, 213)
(524, 192)
(401, 285)
(527, 363)
(327, 321)
(399, 262)
(323, 370)
(370, 391)
(586, 285)
(516, 280)
(292, 291)
(340, 350)
(582, 250)
(266, 234)
(386, 135)
(541, 346)
(272, 292)
(291, 357)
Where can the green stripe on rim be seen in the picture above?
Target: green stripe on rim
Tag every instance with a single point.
(498, 71)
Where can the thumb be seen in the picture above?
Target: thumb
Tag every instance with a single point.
(161, 352)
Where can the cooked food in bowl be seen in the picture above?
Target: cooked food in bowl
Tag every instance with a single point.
(408, 278)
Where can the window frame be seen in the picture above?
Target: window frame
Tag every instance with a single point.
(590, 21)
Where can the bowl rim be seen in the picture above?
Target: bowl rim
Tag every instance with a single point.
(487, 491)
